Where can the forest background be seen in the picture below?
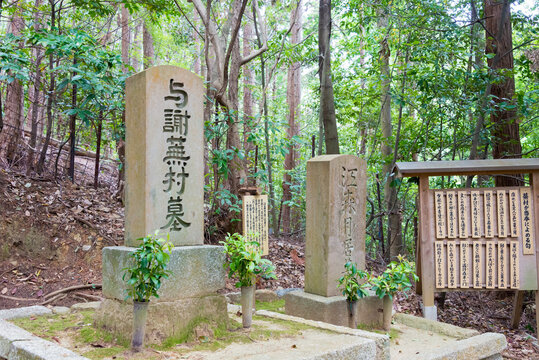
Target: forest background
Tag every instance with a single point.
(388, 81)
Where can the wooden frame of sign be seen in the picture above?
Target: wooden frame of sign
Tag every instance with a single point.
(477, 239)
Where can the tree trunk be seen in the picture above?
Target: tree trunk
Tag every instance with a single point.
(98, 148)
(137, 44)
(13, 111)
(396, 246)
(248, 111)
(147, 46)
(293, 98)
(327, 101)
(73, 125)
(505, 123)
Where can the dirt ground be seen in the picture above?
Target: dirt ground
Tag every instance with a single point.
(51, 236)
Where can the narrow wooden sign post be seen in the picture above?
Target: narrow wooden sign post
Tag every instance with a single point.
(477, 239)
(255, 217)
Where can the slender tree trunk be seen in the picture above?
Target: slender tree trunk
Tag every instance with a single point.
(505, 123)
(396, 246)
(248, 111)
(147, 46)
(13, 115)
(137, 44)
(98, 148)
(73, 126)
(327, 101)
(293, 98)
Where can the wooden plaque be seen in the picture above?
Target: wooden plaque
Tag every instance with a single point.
(255, 220)
(439, 209)
(502, 214)
(451, 199)
(515, 266)
(451, 265)
(464, 265)
(502, 264)
(477, 265)
(463, 210)
(476, 215)
(439, 259)
(491, 259)
(489, 213)
(514, 212)
(528, 242)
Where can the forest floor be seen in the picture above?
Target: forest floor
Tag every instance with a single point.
(52, 233)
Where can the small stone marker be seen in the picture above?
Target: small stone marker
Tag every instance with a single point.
(255, 220)
(335, 228)
(165, 164)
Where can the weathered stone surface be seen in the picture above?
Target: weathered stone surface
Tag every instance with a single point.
(195, 271)
(36, 310)
(10, 333)
(335, 225)
(164, 155)
(478, 347)
(39, 349)
(92, 305)
(434, 326)
(60, 310)
(165, 319)
(264, 295)
(333, 309)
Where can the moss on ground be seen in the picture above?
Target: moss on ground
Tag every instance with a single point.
(96, 343)
(275, 306)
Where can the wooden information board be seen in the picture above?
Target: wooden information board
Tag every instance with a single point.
(501, 235)
(255, 220)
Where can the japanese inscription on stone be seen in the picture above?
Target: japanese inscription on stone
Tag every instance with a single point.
(176, 129)
(255, 220)
(526, 208)
(451, 214)
(349, 208)
(464, 223)
(439, 200)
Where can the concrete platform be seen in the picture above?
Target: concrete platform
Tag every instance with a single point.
(333, 309)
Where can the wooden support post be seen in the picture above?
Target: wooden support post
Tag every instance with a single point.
(426, 248)
(534, 184)
(518, 302)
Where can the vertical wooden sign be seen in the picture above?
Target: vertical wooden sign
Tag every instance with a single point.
(451, 214)
(514, 202)
(490, 280)
(464, 265)
(439, 208)
(526, 208)
(464, 223)
(515, 266)
(489, 214)
(502, 214)
(477, 265)
(502, 266)
(439, 258)
(476, 230)
(451, 265)
(255, 220)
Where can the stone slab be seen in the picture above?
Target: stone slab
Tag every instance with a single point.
(484, 346)
(333, 309)
(36, 310)
(92, 305)
(164, 155)
(165, 319)
(60, 310)
(430, 312)
(435, 326)
(335, 220)
(264, 295)
(39, 349)
(196, 271)
(10, 333)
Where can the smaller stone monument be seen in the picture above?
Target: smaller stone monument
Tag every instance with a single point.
(335, 235)
(164, 191)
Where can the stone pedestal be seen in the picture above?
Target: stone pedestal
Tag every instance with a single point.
(188, 297)
(333, 309)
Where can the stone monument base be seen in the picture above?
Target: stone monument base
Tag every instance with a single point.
(333, 309)
(166, 320)
(187, 297)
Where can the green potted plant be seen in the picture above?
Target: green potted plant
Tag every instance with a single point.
(397, 277)
(144, 280)
(244, 261)
(354, 285)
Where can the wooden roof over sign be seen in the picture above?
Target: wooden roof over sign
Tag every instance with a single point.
(467, 167)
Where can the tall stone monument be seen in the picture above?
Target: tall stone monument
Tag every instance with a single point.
(164, 192)
(335, 235)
